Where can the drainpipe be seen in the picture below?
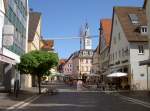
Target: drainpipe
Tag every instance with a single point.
(147, 78)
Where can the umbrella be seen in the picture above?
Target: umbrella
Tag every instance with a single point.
(117, 74)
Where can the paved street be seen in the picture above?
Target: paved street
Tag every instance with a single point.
(68, 99)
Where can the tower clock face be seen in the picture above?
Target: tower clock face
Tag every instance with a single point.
(88, 42)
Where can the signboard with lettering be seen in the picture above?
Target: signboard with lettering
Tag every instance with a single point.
(8, 35)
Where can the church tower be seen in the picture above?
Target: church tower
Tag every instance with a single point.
(86, 41)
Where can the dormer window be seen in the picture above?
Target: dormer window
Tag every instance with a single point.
(134, 18)
(143, 29)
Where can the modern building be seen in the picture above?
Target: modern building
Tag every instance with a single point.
(13, 38)
(129, 45)
(2, 61)
(104, 44)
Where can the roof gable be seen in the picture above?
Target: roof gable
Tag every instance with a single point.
(34, 19)
(106, 25)
(131, 30)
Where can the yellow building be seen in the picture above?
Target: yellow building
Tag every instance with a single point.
(34, 34)
(34, 42)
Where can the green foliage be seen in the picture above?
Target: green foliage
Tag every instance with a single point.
(37, 63)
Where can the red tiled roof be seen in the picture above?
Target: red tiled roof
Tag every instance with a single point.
(48, 44)
(106, 25)
(62, 61)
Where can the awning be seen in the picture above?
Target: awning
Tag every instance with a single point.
(145, 62)
(117, 74)
(7, 60)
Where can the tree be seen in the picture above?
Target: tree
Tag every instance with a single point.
(37, 63)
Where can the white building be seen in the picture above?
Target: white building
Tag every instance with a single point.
(82, 62)
(13, 38)
(147, 62)
(86, 41)
(129, 45)
(147, 5)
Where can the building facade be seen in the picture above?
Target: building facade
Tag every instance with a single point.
(82, 62)
(147, 2)
(2, 14)
(104, 44)
(129, 46)
(13, 38)
(34, 43)
(61, 65)
(82, 59)
(95, 62)
(68, 66)
(34, 34)
(147, 62)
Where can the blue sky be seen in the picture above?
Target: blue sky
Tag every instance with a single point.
(63, 18)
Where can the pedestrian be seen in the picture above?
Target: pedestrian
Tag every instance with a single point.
(79, 85)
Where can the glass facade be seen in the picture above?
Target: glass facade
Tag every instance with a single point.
(16, 15)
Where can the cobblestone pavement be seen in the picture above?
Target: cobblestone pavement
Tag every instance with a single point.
(71, 100)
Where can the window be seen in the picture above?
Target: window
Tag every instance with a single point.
(126, 51)
(134, 18)
(86, 68)
(86, 60)
(116, 22)
(141, 49)
(110, 57)
(114, 40)
(144, 29)
(119, 53)
(82, 68)
(122, 52)
(119, 36)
